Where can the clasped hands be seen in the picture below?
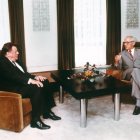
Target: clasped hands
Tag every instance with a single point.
(37, 81)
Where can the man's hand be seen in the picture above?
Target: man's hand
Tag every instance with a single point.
(40, 78)
(117, 58)
(35, 82)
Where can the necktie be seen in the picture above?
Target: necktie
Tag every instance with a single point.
(14, 63)
(130, 52)
(18, 66)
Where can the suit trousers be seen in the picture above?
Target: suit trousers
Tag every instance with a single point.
(41, 98)
(136, 83)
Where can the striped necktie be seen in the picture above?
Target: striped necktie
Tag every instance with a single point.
(18, 66)
(14, 63)
(130, 52)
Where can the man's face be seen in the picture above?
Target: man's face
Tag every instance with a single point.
(129, 43)
(13, 54)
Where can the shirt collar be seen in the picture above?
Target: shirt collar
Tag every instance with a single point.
(132, 51)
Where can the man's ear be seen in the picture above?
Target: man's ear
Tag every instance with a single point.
(7, 54)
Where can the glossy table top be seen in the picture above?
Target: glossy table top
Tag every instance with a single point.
(97, 85)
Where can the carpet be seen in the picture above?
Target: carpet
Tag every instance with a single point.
(100, 123)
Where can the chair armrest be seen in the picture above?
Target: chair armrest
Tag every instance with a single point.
(126, 81)
(118, 75)
(115, 73)
(46, 74)
(10, 94)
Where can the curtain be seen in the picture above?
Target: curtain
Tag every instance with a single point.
(17, 26)
(65, 19)
(113, 30)
(90, 32)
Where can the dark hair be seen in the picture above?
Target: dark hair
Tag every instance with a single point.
(6, 48)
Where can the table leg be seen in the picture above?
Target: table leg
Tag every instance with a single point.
(117, 107)
(83, 105)
(60, 94)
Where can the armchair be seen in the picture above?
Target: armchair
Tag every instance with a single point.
(15, 112)
(125, 97)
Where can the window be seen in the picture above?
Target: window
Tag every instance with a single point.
(90, 31)
(4, 23)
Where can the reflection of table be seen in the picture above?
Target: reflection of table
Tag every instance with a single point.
(84, 90)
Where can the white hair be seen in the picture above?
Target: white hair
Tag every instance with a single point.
(131, 37)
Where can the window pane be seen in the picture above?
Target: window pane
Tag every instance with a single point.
(4, 23)
(90, 31)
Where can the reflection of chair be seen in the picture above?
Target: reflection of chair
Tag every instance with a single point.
(15, 112)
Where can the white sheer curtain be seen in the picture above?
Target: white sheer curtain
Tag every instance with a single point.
(4, 23)
(90, 31)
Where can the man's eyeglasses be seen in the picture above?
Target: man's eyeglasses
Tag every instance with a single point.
(128, 42)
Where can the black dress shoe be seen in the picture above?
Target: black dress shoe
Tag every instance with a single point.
(136, 110)
(39, 124)
(52, 116)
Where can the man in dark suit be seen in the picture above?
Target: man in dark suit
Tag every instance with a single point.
(129, 61)
(13, 77)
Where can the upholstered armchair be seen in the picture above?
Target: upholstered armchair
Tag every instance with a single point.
(126, 98)
(15, 112)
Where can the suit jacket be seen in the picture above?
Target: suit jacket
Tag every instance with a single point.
(127, 63)
(11, 77)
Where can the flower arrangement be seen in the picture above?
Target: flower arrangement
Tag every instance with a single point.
(89, 70)
(87, 73)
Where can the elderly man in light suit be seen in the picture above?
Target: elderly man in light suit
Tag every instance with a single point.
(129, 62)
